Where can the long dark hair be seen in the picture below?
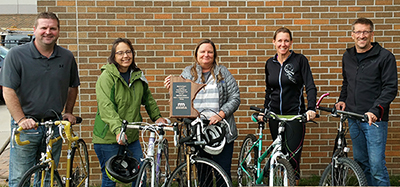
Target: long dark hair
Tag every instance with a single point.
(193, 71)
(111, 58)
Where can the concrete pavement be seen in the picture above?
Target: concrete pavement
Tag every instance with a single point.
(5, 119)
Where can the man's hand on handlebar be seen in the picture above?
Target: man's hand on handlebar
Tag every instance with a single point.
(371, 118)
(27, 123)
(71, 118)
(340, 105)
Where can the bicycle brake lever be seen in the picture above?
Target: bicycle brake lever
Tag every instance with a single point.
(366, 120)
(12, 137)
(60, 128)
(175, 125)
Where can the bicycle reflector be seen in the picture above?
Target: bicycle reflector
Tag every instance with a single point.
(122, 168)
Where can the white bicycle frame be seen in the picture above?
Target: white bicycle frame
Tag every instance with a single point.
(151, 143)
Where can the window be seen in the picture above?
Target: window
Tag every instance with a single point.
(18, 7)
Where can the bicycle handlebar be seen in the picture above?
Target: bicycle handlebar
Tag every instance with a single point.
(270, 114)
(334, 111)
(150, 127)
(67, 130)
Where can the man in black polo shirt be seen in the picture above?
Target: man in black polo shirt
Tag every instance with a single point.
(40, 80)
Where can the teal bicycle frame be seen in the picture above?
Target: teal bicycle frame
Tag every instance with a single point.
(273, 148)
(274, 151)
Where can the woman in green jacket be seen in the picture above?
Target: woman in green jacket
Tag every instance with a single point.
(120, 90)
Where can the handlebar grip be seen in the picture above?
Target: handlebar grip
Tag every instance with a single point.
(18, 140)
(78, 120)
(185, 139)
(256, 109)
(331, 110)
(67, 130)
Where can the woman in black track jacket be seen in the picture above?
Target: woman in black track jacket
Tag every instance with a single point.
(286, 75)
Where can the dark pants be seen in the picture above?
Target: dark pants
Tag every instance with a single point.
(295, 132)
(224, 159)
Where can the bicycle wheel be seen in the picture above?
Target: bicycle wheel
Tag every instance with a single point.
(346, 173)
(162, 168)
(203, 173)
(33, 177)
(283, 173)
(247, 171)
(5, 145)
(144, 176)
(80, 165)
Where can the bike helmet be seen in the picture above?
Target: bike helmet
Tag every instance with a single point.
(214, 135)
(122, 168)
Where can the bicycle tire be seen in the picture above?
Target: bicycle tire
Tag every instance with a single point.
(353, 172)
(5, 145)
(28, 178)
(202, 167)
(250, 165)
(144, 176)
(80, 165)
(283, 172)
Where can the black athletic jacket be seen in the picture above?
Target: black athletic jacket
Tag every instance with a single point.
(371, 85)
(285, 85)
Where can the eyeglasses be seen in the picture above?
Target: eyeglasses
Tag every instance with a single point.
(121, 53)
(362, 32)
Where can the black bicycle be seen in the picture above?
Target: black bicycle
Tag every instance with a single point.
(342, 171)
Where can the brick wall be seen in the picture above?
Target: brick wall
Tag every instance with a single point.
(164, 34)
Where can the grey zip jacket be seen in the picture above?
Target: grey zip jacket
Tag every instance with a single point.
(229, 95)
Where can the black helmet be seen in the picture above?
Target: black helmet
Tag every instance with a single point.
(122, 168)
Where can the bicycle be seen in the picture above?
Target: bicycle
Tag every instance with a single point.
(195, 170)
(5, 145)
(154, 170)
(46, 171)
(277, 169)
(342, 171)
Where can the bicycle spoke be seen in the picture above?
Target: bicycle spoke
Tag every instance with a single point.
(80, 165)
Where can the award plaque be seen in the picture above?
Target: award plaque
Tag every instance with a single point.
(182, 93)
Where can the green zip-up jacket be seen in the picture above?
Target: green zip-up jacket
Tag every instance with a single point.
(117, 101)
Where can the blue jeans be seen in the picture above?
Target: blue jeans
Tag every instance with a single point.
(24, 157)
(106, 151)
(369, 144)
